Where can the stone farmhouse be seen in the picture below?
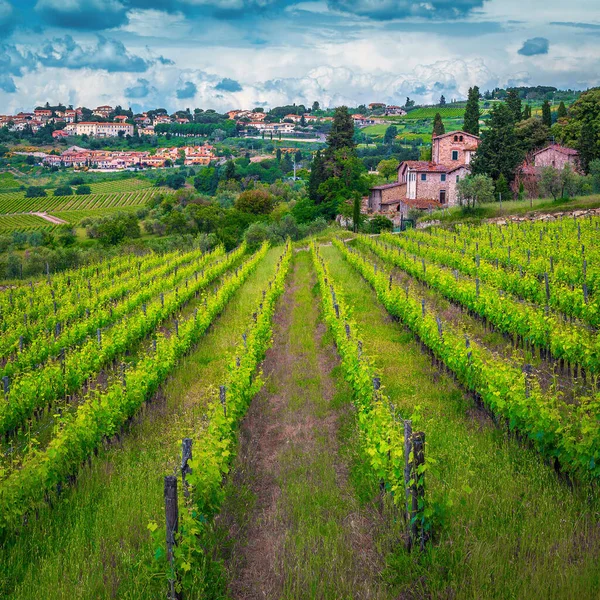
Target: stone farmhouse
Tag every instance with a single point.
(427, 184)
(530, 172)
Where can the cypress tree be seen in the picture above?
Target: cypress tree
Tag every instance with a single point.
(342, 131)
(587, 145)
(471, 119)
(499, 151)
(317, 177)
(356, 206)
(438, 125)
(527, 112)
(513, 101)
(546, 114)
(562, 111)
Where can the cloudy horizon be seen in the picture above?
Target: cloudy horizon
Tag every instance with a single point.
(224, 54)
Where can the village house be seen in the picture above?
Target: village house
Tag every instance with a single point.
(362, 121)
(394, 110)
(42, 114)
(103, 111)
(158, 119)
(271, 127)
(376, 105)
(120, 119)
(427, 184)
(556, 156)
(95, 129)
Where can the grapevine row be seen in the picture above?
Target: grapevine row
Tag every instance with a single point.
(32, 391)
(106, 412)
(45, 344)
(569, 433)
(575, 345)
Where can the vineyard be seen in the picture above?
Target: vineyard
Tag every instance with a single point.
(405, 415)
(15, 202)
(24, 222)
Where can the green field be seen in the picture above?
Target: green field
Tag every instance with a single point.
(10, 223)
(16, 202)
(75, 216)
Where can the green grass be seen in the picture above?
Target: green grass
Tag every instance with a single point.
(75, 216)
(505, 526)
(305, 398)
(93, 544)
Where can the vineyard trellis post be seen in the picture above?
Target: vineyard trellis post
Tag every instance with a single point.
(417, 489)
(186, 456)
(172, 521)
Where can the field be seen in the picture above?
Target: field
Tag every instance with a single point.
(23, 223)
(292, 375)
(15, 202)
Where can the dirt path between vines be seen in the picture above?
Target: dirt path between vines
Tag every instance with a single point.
(304, 535)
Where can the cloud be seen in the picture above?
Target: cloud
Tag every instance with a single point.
(141, 90)
(401, 9)
(228, 85)
(13, 63)
(7, 18)
(107, 54)
(189, 90)
(535, 46)
(83, 14)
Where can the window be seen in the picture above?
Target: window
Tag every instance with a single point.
(457, 178)
(442, 196)
(461, 138)
(456, 138)
(423, 176)
(454, 154)
(443, 176)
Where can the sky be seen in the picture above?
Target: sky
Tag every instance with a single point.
(226, 54)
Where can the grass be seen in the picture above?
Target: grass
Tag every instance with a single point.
(310, 511)
(505, 526)
(512, 207)
(94, 543)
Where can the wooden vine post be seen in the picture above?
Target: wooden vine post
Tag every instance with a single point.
(186, 456)
(417, 490)
(172, 520)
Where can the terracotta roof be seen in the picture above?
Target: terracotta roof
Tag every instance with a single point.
(558, 148)
(421, 203)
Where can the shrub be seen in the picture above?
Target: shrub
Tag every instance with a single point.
(35, 192)
(83, 190)
(63, 190)
(77, 181)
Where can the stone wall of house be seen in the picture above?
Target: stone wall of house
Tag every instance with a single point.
(552, 158)
(430, 189)
(444, 146)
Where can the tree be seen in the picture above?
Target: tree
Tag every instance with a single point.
(318, 176)
(302, 121)
(35, 192)
(341, 134)
(499, 151)
(83, 190)
(472, 114)
(316, 106)
(442, 100)
(550, 182)
(532, 134)
(278, 155)
(561, 113)
(513, 101)
(475, 189)
(438, 125)
(546, 114)
(390, 134)
(63, 190)
(587, 145)
(502, 191)
(298, 157)
(229, 172)
(255, 201)
(569, 182)
(388, 168)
